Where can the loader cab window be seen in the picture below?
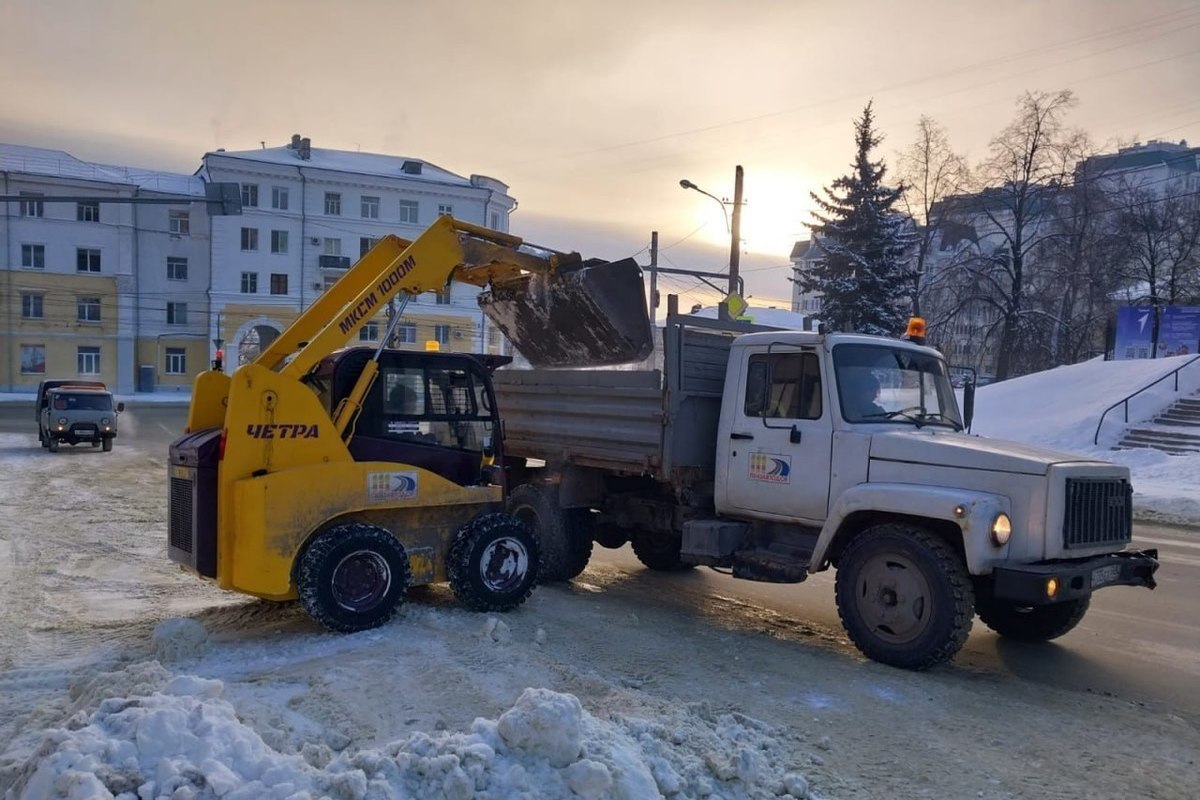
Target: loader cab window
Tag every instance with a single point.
(436, 405)
(783, 386)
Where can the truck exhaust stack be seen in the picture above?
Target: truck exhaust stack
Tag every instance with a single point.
(592, 314)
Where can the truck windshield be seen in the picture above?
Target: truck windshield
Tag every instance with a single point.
(82, 402)
(877, 383)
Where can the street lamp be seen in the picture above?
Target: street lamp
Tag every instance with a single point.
(734, 231)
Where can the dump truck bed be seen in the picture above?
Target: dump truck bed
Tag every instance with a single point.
(645, 422)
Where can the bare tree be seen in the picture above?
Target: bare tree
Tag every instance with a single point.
(930, 172)
(1161, 234)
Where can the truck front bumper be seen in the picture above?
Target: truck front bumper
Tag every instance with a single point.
(1027, 584)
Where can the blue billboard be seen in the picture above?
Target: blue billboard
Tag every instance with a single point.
(1179, 331)
(1135, 333)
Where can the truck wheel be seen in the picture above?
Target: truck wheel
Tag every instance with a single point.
(53, 445)
(493, 563)
(659, 551)
(1031, 623)
(353, 577)
(904, 596)
(564, 533)
(107, 444)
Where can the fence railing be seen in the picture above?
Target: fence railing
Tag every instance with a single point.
(1125, 401)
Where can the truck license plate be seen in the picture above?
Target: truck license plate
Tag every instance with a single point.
(1103, 575)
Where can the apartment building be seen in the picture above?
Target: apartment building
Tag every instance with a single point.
(309, 213)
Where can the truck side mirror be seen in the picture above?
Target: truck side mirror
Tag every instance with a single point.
(120, 407)
(968, 404)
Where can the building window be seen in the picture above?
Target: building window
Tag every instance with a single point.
(88, 360)
(370, 207)
(87, 309)
(179, 223)
(408, 211)
(333, 204)
(406, 333)
(279, 241)
(369, 332)
(87, 212)
(177, 313)
(278, 283)
(87, 259)
(443, 298)
(365, 243)
(176, 361)
(279, 198)
(445, 210)
(32, 207)
(441, 333)
(176, 268)
(31, 306)
(332, 246)
(250, 195)
(33, 256)
(249, 283)
(33, 359)
(495, 221)
(249, 239)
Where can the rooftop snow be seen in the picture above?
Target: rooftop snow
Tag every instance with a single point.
(345, 161)
(60, 164)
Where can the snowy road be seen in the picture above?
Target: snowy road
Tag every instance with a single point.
(655, 661)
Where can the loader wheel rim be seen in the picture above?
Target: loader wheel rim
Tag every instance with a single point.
(361, 580)
(894, 598)
(504, 565)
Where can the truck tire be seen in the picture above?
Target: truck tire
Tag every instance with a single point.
(353, 577)
(658, 551)
(493, 563)
(904, 596)
(565, 534)
(52, 444)
(108, 444)
(1031, 623)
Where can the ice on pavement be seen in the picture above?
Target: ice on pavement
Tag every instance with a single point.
(178, 736)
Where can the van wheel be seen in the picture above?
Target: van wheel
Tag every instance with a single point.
(659, 551)
(52, 444)
(42, 440)
(95, 443)
(904, 596)
(493, 563)
(565, 534)
(1031, 623)
(107, 444)
(353, 577)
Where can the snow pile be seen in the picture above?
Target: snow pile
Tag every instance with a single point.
(179, 639)
(1060, 408)
(183, 741)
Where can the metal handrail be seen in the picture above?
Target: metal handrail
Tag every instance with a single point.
(1125, 401)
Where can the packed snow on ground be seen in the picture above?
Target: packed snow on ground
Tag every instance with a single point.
(1061, 408)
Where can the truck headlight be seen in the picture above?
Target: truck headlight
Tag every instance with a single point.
(62, 420)
(106, 421)
(1001, 529)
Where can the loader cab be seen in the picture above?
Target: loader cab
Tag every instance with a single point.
(431, 410)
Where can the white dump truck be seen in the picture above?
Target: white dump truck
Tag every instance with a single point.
(775, 454)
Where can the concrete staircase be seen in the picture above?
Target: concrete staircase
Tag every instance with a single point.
(1175, 431)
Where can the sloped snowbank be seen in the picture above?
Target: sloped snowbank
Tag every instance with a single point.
(1061, 408)
(183, 740)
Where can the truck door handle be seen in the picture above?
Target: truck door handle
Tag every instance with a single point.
(741, 436)
(794, 437)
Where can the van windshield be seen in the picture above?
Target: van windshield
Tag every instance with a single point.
(82, 402)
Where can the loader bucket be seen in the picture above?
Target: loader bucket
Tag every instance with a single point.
(589, 315)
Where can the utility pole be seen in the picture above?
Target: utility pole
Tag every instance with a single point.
(735, 249)
(653, 273)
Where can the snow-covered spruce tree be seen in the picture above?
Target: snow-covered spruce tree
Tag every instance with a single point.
(864, 278)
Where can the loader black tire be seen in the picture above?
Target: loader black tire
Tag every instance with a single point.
(353, 577)
(904, 596)
(565, 534)
(658, 551)
(493, 562)
(1031, 623)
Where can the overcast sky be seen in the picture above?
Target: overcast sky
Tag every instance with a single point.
(591, 111)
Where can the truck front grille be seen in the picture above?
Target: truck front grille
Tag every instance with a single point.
(180, 531)
(1099, 511)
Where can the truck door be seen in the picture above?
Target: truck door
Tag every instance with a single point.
(781, 438)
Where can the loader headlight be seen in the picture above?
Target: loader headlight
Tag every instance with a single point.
(62, 420)
(1001, 529)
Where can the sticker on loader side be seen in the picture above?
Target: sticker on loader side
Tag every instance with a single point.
(384, 486)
